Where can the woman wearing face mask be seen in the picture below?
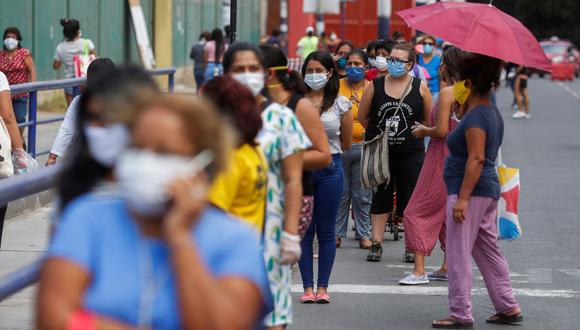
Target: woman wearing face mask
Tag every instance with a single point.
(17, 64)
(66, 50)
(352, 87)
(240, 190)
(406, 152)
(66, 132)
(152, 259)
(322, 83)
(287, 88)
(383, 51)
(425, 214)
(97, 140)
(213, 55)
(283, 141)
(473, 191)
(372, 70)
(431, 61)
(343, 48)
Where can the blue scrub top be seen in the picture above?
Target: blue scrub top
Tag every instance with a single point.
(433, 69)
(98, 234)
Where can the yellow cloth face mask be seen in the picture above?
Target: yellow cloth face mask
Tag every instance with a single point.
(460, 92)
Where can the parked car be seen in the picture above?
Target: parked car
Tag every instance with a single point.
(561, 52)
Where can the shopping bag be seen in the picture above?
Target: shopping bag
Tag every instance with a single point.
(6, 166)
(508, 225)
(81, 62)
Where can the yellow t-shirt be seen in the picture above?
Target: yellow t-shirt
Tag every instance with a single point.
(241, 189)
(354, 96)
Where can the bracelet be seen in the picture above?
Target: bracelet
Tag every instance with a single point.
(82, 320)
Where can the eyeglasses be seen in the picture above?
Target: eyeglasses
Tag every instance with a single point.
(396, 61)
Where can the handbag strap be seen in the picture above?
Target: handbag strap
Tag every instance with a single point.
(405, 93)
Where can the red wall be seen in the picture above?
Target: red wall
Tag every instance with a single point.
(298, 21)
(397, 23)
(360, 24)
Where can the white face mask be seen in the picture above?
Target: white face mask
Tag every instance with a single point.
(10, 43)
(107, 143)
(253, 80)
(144, 176)
(381, 63)
(316, 81)
(372, 62)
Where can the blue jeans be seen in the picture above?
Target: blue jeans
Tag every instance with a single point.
(328, 184)
(198, 74)
(354, 194)
(20, 106)
(211, 70)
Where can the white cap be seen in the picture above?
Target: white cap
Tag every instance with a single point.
(309, 29)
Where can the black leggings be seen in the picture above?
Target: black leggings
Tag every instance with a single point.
(405, 169)
(2, 216)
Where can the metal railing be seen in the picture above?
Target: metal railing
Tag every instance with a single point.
(43, 179)
(33, 88)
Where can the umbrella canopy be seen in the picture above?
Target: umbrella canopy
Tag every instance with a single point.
(479, 28)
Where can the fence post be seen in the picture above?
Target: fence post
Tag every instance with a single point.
(170, 82)
(32, 108)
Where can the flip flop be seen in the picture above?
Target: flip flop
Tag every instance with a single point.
(453, 324)
(500, 318)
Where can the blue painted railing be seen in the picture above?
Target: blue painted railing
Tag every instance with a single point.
(33, 88)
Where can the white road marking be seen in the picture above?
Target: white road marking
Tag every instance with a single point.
(571, 272)
(574, 94)
(436, 291)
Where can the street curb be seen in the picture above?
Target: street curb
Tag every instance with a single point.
(28, 204)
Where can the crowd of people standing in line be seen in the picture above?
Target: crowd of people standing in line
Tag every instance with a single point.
(270, 158)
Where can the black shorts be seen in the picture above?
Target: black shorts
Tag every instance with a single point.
(405, 169)
(523, 83)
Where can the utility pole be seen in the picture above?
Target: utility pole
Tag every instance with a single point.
(233, 20)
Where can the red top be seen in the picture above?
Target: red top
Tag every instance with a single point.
(14, 68)
(372, 74)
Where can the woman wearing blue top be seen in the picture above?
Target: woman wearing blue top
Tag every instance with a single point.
(473, 192)
(431, 61)
(152, 259)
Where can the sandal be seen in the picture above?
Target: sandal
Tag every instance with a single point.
(451, 323)
(500, 318)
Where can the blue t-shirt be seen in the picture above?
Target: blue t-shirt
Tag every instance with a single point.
(487, 118)
(433, 69)
(98, 234)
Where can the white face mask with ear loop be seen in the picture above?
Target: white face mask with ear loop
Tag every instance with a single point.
(10, 43)
(106, 144)
(253, 80)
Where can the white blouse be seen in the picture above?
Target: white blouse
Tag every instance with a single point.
(331, 119)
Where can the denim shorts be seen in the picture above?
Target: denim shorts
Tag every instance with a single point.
(20, 106)
(69, 90)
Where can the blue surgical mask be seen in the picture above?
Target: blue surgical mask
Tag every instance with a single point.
(396, 69)
(341, 63)
(355, 74)
(428, 49)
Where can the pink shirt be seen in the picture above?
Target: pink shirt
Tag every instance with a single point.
(209, 50)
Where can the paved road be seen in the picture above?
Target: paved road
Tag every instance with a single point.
(545, 263)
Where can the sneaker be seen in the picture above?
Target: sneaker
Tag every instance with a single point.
(412, 279)
(519, 114)
(528, 116)
(437, 276)
(409, 257)
(375, 253)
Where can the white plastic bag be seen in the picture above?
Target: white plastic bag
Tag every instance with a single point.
(23, 162)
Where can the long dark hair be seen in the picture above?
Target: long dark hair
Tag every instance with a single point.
(331, 88)
(483, 71)
(291, 80)
(13, 30)
(230, 54)
(452, 58)
(360, 53)
(70, 28)
(218, 37)
(81, 171)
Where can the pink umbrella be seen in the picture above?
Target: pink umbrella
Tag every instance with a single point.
(479, 28)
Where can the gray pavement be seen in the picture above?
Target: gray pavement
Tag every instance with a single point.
(544, 263)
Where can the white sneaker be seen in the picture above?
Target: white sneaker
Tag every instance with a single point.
(414, 280)
(519, 114)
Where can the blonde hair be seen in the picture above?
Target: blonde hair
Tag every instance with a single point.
(202, 125)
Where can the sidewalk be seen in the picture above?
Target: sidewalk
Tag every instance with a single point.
(24, 240)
